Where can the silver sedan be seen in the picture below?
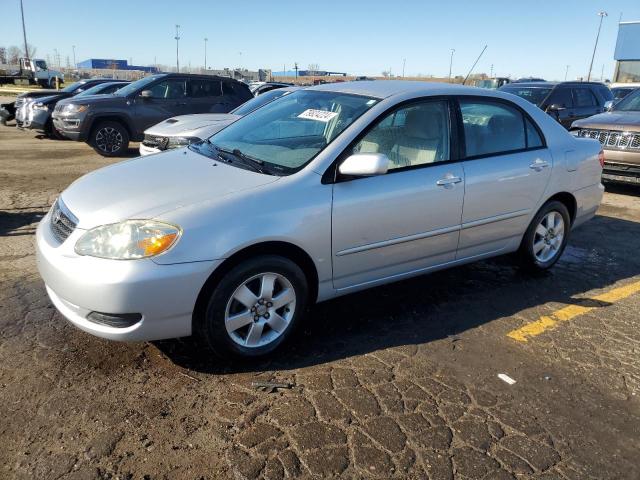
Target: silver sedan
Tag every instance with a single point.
(323, 192)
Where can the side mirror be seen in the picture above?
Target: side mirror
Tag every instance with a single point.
(554, 108)
(364, 165)
(608, 105)
(146, 94)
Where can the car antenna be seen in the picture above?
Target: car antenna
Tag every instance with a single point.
(473, 66)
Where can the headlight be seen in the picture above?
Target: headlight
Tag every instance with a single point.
(73, 108)
(40, 106)
(176, 142)
(128, 240)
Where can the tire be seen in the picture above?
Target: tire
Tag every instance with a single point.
(263, 322)
(53, 133)
(109, 139)
(546, 237)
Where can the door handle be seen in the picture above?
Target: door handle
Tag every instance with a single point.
(448, 181)
(538, 165)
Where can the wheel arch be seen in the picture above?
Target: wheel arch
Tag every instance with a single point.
(110, 118)
(281, 248)
(568, 200)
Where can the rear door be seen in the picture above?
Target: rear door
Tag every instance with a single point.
(507, 167)
(205, 95)
(585, 103)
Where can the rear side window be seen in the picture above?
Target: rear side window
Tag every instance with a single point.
(561, 97)
(200, 88)
(491, 127)
(534, 140)
(582, 97)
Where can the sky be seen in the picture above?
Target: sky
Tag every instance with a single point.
(362, 37)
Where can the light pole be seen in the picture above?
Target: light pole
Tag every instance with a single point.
(566, 73)
(24, 32)
(73, 47)
(177, 37)
(601, 15)
(205, 53)
(451, 63)
(404, 62)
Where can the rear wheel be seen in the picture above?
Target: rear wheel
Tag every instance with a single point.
(110, 139)
(255, 307)
(546, 237)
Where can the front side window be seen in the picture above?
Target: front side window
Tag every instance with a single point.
(137, 86)
(288, 132)
(411, 136)
(168, 89)
(582, 97)
(491, 127)
(561, 97)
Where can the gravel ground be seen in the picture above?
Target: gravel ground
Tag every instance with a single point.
(396, 382)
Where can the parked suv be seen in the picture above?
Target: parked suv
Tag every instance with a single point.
(564, 101)
(618, 131)
(108, 123)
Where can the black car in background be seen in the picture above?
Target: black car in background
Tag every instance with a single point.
(40, 115)
(24, 99)
(109, 122)
(565, 101)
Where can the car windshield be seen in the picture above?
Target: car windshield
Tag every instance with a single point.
(73, 87)
(287, 133)
(95, 90)
(535, 95)
(137, 85)
(630, 103)
(259, 101)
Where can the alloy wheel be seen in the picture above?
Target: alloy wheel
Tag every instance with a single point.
(109, 139)
(260, 310)
(548, 236)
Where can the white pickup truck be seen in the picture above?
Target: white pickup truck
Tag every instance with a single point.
(31, 72)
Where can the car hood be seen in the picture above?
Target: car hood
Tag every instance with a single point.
(611, 121)
(200, 125)
(94, 99)
(51, 99)
(146, 187)
(38, 93)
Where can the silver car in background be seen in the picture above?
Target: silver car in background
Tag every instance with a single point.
(183, 130)
(323, 192)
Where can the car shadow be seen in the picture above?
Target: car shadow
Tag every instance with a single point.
(440, 305)
(14, 221)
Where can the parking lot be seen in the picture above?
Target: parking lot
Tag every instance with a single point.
(396, 382)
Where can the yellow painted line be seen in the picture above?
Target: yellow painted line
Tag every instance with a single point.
(570, 312)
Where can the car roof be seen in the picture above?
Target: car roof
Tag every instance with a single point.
(530, 84)
(390, 88)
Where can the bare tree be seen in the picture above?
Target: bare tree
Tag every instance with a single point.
(386, 74)
(13, 54)
(313, 68)
(3, 55)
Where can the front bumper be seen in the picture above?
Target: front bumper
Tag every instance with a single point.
(38, 120)
(164, 295)
(68, 127)
(622, 165)
(145, 150)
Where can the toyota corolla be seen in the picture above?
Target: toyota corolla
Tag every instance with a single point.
(323, 192)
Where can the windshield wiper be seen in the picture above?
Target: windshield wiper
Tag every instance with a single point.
(255, 164)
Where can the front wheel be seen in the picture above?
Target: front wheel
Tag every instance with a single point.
(255, 307)
(110, 139)
(546, 237)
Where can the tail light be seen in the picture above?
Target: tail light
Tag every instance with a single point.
(601, 158)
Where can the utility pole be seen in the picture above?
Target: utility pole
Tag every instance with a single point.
(601, 15)
(404, 62)
(177, 38)
(296, 69)
(73, 47)
(566, 72)
(205, 53)
(451, 63)
(24, 32)
(491, 75)
(602, 74)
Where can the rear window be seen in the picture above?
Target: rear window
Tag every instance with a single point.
(199, 88)
(535, 95)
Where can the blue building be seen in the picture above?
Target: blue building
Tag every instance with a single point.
(113, 64)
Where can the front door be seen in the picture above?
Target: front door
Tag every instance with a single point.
(168, 99)
(405, 221)
(506, 173)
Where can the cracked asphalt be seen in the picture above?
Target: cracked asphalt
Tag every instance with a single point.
(396, 382)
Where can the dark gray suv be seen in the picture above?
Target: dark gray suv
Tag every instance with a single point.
(108, 123)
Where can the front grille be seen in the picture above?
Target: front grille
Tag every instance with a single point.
(155, 141)
(63, 223)
(613, 139)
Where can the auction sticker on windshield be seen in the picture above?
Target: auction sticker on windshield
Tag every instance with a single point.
(319, 115)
